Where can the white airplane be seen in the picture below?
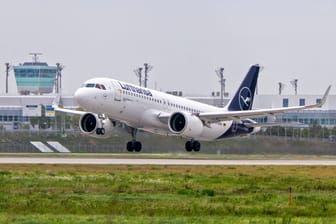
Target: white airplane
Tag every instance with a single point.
(108, 101)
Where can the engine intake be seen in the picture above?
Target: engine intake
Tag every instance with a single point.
(88, 123)
(185, 124)
(95, 126)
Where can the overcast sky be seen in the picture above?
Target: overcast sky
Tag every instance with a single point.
(184, 40)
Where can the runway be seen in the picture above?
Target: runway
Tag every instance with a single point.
(192, 162)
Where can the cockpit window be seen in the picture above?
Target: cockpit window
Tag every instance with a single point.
(90, 85)
(100, 86)
(95, 85)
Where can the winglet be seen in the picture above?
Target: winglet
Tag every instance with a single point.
(324, 98)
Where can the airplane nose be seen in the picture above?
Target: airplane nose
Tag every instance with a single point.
(80, 96)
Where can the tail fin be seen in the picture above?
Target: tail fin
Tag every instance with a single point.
(243, 99)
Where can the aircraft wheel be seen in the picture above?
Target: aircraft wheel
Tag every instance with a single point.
(130, 146)
(98, 131)
(137, 146)
(196, 146)
(188, 146)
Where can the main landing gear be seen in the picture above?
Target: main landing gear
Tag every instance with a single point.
(134, 145)
(193, 146)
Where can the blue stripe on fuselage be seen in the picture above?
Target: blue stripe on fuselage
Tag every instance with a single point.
(236, 129)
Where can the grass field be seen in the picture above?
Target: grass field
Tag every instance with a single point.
(166, 194)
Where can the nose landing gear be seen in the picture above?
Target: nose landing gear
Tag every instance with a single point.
(102, 118)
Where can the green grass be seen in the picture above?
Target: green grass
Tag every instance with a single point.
(166, 194)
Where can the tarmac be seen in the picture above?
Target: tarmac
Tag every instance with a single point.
(192, 162)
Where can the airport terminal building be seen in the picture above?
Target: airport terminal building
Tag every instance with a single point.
(15, 111)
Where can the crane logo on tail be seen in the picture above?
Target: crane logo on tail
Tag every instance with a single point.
(245, 98)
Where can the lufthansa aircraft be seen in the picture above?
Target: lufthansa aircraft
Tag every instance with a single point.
(108, 101)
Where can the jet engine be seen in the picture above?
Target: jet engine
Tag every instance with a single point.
(185, 124)
(253, 129)
(95, 125)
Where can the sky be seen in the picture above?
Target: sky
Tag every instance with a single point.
(184, 40)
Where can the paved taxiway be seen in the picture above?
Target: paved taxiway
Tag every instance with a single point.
(199, 162)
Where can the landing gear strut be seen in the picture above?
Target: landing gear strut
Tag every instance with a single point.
(133, 145)
(101, 131)
(193, 146)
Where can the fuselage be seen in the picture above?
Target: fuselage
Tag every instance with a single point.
(141, 108)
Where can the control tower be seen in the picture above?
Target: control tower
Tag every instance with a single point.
(35, 77)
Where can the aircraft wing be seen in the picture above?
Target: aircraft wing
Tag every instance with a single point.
(69, 111)
(272, 112)
(56, 104)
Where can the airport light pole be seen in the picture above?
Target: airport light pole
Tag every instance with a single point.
(281, 87)
(58, 84)
(148, 68)
(138, 73)
(220, 74)
(295, 85)
(8, 68)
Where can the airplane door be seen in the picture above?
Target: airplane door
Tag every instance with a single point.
(117, 92)
(165, 104)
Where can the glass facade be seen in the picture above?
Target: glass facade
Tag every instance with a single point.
(309, 117)
(302, 102)
(11, 114)
(36, 78)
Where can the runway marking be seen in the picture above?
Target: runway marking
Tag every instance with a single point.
(195, 162)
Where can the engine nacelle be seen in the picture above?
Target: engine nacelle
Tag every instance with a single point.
(254, 129)
(185, 124)
(95, 125)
